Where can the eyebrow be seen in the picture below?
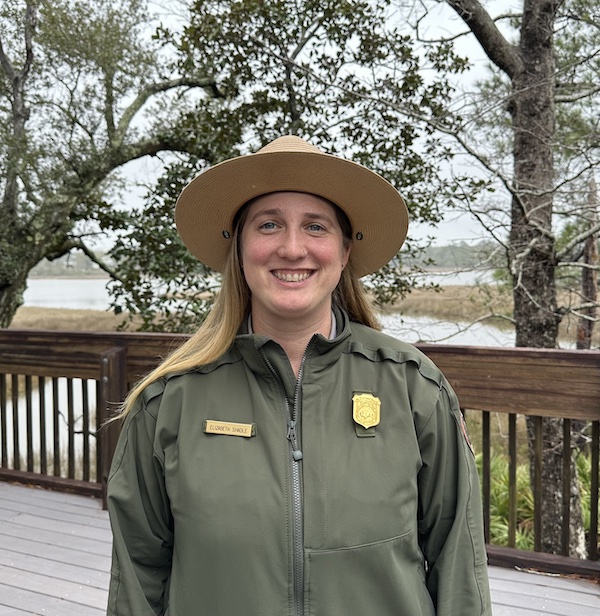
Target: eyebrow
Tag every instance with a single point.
(277, 211)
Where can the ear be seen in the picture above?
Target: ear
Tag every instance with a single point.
(346, 255)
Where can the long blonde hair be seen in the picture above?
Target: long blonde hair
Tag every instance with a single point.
(232, 305)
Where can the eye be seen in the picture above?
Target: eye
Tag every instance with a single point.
(315, 227)
(267, 226)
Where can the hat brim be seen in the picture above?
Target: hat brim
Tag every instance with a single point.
(207, 205)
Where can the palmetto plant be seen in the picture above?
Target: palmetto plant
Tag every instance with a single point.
(499, 499)
(499, 503)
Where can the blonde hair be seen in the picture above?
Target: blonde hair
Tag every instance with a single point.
(217, 332)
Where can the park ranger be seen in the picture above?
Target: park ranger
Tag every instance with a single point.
(289, 459)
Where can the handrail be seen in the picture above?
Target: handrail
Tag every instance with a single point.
(510, 382)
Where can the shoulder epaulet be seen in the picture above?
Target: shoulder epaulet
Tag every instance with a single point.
(153, 390)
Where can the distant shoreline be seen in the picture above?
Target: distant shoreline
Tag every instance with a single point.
(75, 276)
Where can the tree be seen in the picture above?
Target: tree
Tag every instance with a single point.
(534, 128)
(75, 81)
(306, 68)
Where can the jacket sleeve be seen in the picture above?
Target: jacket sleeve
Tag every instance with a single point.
(140, 517)
(450, 514)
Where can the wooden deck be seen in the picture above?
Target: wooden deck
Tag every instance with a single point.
(55, 559)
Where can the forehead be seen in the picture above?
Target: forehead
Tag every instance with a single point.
(291, 202)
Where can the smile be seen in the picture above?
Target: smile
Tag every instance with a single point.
(295, 277)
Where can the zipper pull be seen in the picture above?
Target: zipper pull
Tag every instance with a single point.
(291, 435)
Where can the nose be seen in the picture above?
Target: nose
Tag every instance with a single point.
(292, 246)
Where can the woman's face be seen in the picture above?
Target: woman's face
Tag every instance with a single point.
(293, 253)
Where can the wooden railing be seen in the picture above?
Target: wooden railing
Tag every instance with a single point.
(535, 383)
(58, 388)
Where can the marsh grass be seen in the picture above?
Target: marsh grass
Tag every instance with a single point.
(66, 320)
(460, 303)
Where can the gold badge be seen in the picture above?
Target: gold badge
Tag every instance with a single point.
(366, 410)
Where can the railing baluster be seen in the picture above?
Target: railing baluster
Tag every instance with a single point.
(15, 413)
(85, 406)
(29, 422)
(512, 479)
(3, 420)
(566, 487)
(98, 427)
(537, 482)
(42, 413)
(71, 430)
(486, 463)
(56, 426)
(595, 452)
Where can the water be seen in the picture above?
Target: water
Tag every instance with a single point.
(72, 293)
(91, 293)
(34, 424)
(425, 329)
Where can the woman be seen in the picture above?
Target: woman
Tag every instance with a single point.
(290, 459)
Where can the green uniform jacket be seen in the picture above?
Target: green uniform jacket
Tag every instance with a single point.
(382, 521)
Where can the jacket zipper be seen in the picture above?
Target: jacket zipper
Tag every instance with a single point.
(296, 455)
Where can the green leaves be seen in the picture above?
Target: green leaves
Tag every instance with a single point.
(161, 286)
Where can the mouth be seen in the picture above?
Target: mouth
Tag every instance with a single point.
(292, 276)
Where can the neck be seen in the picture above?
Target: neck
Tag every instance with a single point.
(293, 336)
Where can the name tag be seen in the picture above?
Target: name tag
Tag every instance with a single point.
(229, 428)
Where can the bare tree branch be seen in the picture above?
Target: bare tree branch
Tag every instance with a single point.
(78, 244)
(577, 240)
(577, 96)
(504, 55)
(155, 88)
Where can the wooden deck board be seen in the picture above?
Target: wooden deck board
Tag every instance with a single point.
(55, 560)
(76, 516)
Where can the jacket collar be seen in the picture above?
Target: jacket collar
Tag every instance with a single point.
(321, 352)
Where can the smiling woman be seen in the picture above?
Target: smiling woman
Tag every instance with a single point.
(293, 251)
(289, 449)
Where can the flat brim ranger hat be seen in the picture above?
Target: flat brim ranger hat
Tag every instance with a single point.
(207, 206)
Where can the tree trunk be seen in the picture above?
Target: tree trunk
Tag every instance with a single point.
(589, 297)
(532, 246)
(530, 65)
(11, 298)
(17, 256)
(589, 276)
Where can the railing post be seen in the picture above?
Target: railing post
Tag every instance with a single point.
(112, 391)
(593, 549)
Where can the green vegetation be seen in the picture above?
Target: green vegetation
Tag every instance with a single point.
(499, 501)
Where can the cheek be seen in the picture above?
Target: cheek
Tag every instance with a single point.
(252, 251)
(339, 255)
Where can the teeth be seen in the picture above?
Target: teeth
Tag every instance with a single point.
(295, 277)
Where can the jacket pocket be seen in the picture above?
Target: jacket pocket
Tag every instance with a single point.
(385, 578)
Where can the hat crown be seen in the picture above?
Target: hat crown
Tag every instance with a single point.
(289, 143)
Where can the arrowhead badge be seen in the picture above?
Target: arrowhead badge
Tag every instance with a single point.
(366, 409)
